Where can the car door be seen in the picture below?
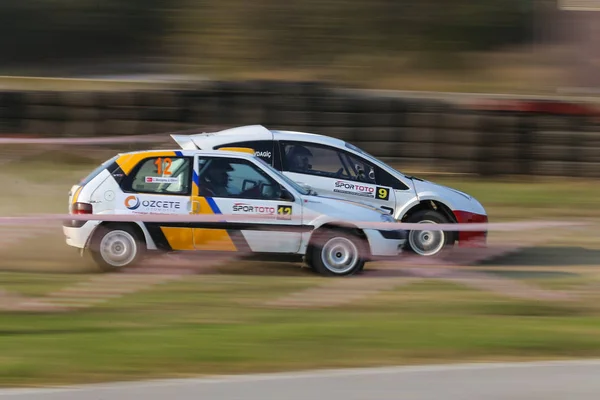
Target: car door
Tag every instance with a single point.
(257, 216)
(335, 173)
(160, 184)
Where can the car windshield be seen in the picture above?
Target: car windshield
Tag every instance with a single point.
(357, 149)
(289, 181)
(369, 156)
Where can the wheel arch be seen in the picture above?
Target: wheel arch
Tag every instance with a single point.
(430, 204)
(434, 205)
(139, 228)
(342, 226)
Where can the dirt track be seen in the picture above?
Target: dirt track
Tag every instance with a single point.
(377, 277)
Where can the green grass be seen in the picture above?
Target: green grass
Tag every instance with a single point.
(212, 325)
(36, 284)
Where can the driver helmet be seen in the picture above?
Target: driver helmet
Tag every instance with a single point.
(218, 173)
(301, 158)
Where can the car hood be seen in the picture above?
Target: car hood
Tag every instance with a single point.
(456, 199)
(340, 209)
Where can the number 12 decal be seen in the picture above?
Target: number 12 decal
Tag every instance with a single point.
(284, 212)
(163, 168)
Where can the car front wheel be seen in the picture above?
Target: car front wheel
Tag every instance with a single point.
(428, 242)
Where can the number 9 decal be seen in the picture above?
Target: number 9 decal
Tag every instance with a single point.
(383, 193)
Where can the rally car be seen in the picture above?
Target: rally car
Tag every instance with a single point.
(335, 168)
(260, 212)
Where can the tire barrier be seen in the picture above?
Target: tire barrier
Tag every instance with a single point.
(454, 133)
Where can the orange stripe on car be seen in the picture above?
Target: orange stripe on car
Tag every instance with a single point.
(128, 161)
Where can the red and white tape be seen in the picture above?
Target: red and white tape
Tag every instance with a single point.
(223, 218)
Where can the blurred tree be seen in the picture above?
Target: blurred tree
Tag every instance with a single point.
(59, 30)
(239, 33)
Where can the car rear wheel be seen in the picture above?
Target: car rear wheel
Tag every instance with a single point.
(337, 253)
(116, 246)
(429, 242)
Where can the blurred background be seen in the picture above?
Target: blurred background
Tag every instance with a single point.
(506, 45)
(487, 87)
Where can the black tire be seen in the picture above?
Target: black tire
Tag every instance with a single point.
(124, 235)
(330, 240)
(429, 243)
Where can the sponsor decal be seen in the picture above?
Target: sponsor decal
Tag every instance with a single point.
(134, 203)
(161, 179)
(265, 154)
(164, 204)
(354, 189)
(357, 189)
(252, 209)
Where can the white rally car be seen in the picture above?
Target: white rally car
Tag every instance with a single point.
(335, 168)
(259, 211)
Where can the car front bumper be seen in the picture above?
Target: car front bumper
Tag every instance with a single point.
(386, 243)
(471, 238)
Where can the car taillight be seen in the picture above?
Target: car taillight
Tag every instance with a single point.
(81, 208)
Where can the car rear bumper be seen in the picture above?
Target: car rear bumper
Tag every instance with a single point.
(78, 234)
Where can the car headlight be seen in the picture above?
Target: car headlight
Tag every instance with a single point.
(387, 218)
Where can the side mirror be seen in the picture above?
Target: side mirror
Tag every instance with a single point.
(308, 188)
(305, 186)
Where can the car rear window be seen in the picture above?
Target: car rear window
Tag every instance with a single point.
(96, 171)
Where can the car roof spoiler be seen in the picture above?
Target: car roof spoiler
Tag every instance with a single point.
(187, 140)
(187, 143)
(184, 141)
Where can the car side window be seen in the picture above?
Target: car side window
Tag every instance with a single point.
(385, 179)
(360, 170)
(163, 175)
(230, 177)
(326, 161)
